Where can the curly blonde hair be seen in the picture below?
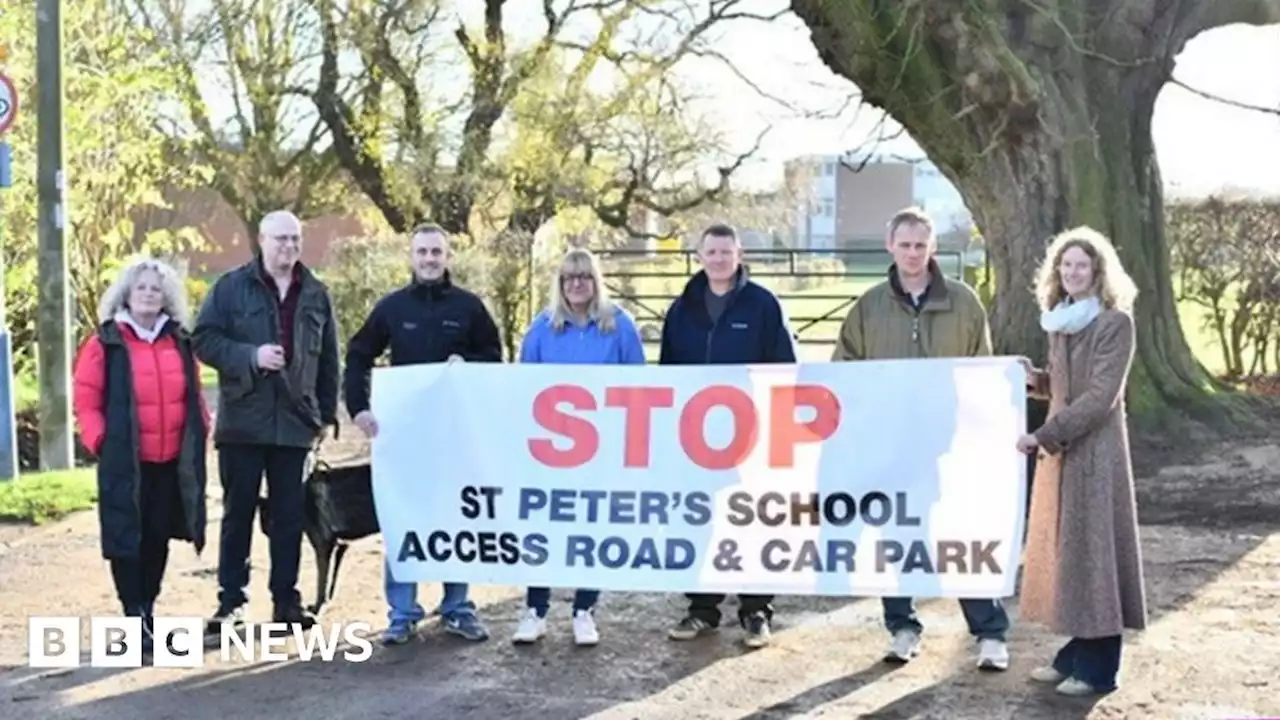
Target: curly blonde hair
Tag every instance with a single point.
(581, 260)
(1111, 283)
(116, 297)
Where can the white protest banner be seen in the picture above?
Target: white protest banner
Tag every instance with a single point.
(867, 478)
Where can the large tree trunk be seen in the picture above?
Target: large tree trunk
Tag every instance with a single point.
(1041, 116)
(1088, 165)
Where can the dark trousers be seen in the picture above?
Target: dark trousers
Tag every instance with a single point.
(138, 579)
(1095, 661)
(706, 607)
(241, 468)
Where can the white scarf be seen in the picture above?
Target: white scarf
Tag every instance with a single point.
(1071, 317)
(123, 317)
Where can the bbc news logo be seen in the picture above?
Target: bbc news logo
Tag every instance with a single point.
(180, 642)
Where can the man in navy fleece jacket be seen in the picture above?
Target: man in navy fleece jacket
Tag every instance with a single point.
(723, 317)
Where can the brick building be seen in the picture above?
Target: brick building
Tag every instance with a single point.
(228, 238)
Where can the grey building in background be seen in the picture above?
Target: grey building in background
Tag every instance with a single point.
(851, 197)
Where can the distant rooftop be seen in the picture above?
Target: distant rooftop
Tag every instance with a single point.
(859, 157)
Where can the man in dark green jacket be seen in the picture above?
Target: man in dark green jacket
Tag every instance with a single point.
(917, 312)
(269, 329)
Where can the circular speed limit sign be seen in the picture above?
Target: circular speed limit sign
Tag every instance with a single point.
(8, 103)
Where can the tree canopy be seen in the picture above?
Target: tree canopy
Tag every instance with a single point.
(119, 160)
(271, 152)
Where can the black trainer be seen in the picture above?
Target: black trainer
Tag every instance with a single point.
(226, 615)
(293, 614)
(690, 627)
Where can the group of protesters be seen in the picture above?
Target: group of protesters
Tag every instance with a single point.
(269, 329)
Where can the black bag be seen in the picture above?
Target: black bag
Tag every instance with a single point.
(343, 498)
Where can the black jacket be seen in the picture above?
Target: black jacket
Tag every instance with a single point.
(288, 407)
(420, 324)
(119, 470)
(752, 329)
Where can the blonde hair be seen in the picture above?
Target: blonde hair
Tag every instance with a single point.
(581, 260)
(1111, 283)
(116, 297)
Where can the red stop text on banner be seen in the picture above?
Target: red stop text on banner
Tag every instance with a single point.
(567, 410)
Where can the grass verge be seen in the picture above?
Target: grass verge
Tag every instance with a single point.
(37, 498)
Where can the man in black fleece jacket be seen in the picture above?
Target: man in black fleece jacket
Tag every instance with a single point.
(429, 320)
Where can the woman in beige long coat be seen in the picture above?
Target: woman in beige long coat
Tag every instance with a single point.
(1083, 575)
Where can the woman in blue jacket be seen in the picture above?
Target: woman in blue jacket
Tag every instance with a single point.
(581, 326)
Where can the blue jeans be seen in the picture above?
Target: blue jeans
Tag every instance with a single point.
(987, 619)
(1095, 661)
(540, 599)
(403, 600)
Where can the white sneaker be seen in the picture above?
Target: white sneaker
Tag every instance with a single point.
(993, 655)
(531, 628)
(584, 628)
(1047, 675)
(1075, 688)
(904, 646)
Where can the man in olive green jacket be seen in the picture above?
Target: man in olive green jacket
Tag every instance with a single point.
(919, 313)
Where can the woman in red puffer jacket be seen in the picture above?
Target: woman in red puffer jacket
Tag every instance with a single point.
(140, 409)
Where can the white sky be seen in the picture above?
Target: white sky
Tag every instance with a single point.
(1202, 145)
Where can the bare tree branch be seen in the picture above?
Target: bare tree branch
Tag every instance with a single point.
(353, 140)
(253, 50)
(1225, 101)
(636, 191)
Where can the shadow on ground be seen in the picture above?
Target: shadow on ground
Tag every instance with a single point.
(437, 675)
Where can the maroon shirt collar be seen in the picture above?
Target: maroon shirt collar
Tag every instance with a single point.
(288, 306)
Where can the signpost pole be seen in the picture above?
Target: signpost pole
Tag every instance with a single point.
(8, 425)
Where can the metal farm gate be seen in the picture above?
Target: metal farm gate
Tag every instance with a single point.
(816, 287)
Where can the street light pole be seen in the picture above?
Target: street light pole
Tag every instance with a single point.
(53, 317)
